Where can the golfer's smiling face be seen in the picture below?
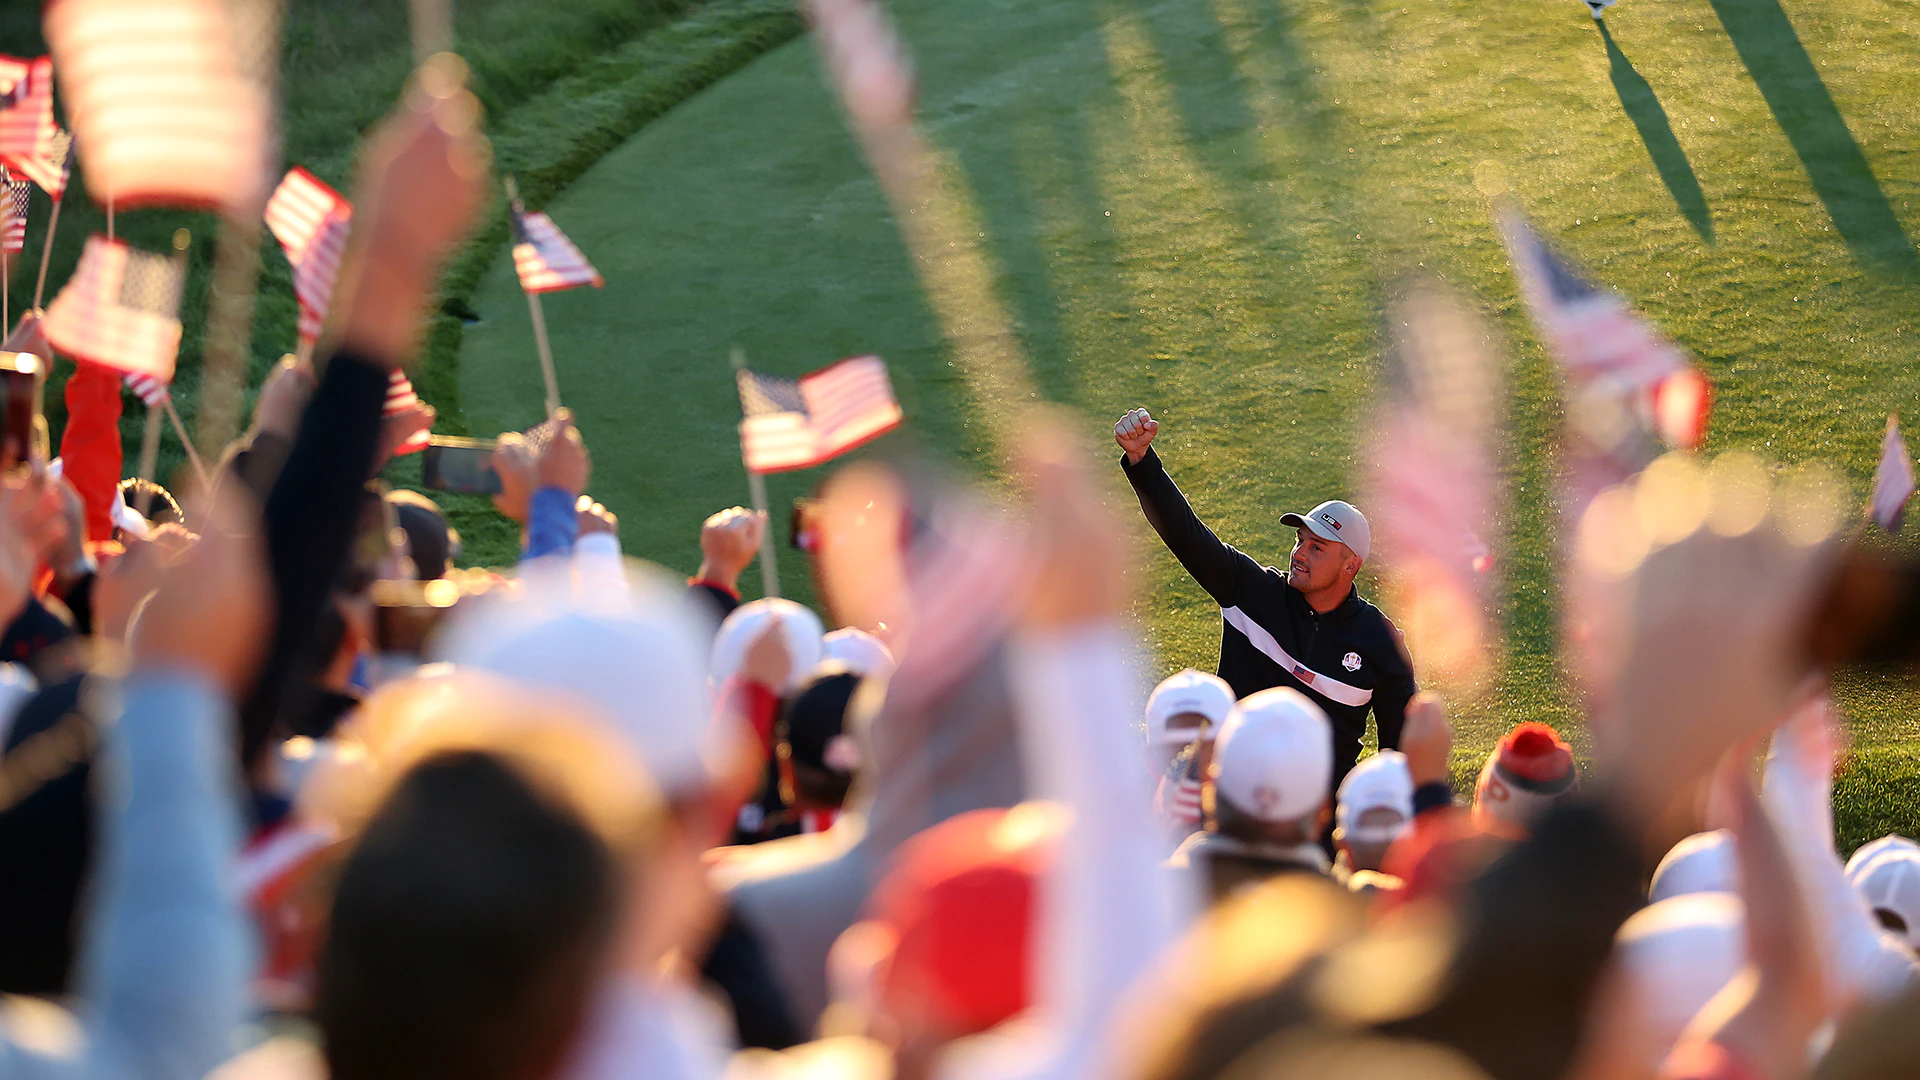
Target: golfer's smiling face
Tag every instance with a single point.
(1315, 563)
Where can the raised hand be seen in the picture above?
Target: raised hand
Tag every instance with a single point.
(595, 518)
(563, 461)
(1427, 739)
(283, 398)
(515, 464)
(212, 614)
(1135, 433)
(728, 542)
(422, 182)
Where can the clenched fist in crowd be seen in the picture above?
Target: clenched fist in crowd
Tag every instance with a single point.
(1135, 433)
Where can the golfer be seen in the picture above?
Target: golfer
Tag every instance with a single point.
(1306, 628)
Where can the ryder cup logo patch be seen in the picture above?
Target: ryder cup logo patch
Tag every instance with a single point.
(1351, 661)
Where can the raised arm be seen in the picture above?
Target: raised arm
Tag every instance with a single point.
(1220, 569)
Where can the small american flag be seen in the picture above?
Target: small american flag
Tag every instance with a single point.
(1893, 480)
(1632, 389)
(401, 398)
(311, 221)
(797, 424)
(156, 93)
(13, 214)
(544, 258)
(151, 391)
(31, 144)
(120, 309)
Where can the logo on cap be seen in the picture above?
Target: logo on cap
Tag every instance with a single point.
(1328, 518)
(1351, 661)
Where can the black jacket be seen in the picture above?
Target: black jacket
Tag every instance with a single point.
(1349, 661)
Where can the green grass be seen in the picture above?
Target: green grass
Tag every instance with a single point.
(1194, 204)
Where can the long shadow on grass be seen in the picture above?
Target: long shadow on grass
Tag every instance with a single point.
(1656, 131)
(1780, 66)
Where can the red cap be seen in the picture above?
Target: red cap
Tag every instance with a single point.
(960, 901)
(1536, 752)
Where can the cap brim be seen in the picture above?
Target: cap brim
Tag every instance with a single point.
(1299, 522)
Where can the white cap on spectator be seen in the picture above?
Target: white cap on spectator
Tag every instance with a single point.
(1674, 956)
(1890, 882)
(1873, 849)
(639, 660)
(799, 625)
(861, 653)
(1340, 522)
(1273, 758)
(1383, 781)
(1189, 691)
(1702, 863)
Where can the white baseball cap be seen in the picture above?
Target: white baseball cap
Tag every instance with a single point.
(861, 653)
(1340, 522)
(1873, 849)
(638, 660)
(1674, 956)
(799, 625)
(1273, 758)
(1891, 882)
(1189, 691)
(1705, 862)
(1383, 781)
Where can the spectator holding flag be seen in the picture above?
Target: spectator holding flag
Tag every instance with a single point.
(1307, 628)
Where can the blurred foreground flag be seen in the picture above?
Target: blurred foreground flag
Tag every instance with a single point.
(121, 309)
(401, 398)
(1893, 480)
(544, 258)
(31, 144)
(159, 101)
(797, 424)
(311, 221)
(149, 390)
(1431, 488)
(13, 214)
(1633, 393)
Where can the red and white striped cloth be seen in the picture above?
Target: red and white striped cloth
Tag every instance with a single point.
(121, 309)
(401, 398)
(1632, 389)
(156, 92)
(13, 213)
(1178, 801)
(544, 258)
(311, 221)
(1893, 480)
(151, 391)
(31, 144)
(797, 424)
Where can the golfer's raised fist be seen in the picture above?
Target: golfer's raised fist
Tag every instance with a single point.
(1135, 433)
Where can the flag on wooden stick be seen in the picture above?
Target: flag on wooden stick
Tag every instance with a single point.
(1893, 480)
(400, 399)
(13, 214)
(544, 258)
(797, 424)
(311, 221)
(151, 391)
(1633, 393)
(120, 309)
(158, 95)
(31, 144)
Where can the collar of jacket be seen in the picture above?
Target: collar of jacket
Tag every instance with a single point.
(1345, 609)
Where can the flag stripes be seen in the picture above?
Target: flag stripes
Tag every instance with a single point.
(789, 424)
(120, 309)
(311, 221)
(31, 144)
(13, 214)
(545, 259)
(151, 391)
(401, 398)
(155, 92)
